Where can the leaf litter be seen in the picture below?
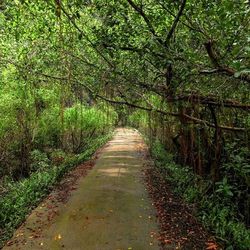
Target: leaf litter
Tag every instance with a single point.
(179, 228)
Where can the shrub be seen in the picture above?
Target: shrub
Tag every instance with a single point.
(216, 209)
(39, 161)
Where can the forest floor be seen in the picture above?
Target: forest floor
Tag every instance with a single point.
(109, 208)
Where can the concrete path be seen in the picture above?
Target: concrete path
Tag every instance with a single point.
(109, 210)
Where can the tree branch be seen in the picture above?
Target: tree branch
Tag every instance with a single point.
(206, 123)
(177, 18)
(152, 109)
(209, 100)
(85, 36)
(222, 68)
(144, 16)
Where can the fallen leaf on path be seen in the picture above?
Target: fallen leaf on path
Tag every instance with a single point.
(19, 234)
(167, 241)
(58, 237)
(211, 246)
(9, 243)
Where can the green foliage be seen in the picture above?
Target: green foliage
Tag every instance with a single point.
(215, 209)
(57, 156)
(86, 119)
(24, 195)
(49, 129)
(39, 161)
(224, 188)
(159, 151)
(237, 165)
(137, 118)
(57, 67)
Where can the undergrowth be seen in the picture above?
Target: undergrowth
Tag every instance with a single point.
(26, 194)
(215, 206)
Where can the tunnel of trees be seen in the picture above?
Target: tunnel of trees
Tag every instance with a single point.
(178, 71)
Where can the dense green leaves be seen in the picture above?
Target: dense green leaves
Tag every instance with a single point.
(216, 209)
(185, 63)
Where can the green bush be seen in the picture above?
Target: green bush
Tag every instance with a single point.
(57, 157)
(39, 161)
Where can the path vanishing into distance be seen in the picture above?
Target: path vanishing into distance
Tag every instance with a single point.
(108, 209)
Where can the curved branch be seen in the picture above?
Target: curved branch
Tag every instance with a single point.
(82, 33)
(177, 18)
(223, 68)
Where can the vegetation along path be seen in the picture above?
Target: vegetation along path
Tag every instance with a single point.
(176, 71)
(108, 209)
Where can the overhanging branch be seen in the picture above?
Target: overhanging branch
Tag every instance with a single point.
(147, 21)
(177, 18)
(220, 68)
(86, 37)
(180, 115)
(206, 123)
